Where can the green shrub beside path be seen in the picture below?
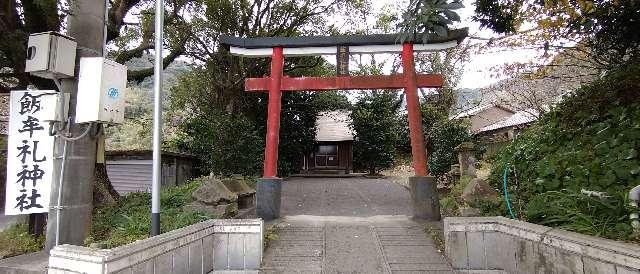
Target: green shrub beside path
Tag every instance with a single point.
(590, 141)
(129, 219)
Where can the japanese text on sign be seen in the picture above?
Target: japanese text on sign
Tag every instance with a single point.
(29, 153)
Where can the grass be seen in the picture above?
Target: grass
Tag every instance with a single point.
(270, 234)
(129, 220)
(438, 237)
(16, 240)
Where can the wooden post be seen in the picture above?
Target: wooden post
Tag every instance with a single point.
(413, 108)
(273, 115)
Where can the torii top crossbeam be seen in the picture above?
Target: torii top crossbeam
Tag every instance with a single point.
(342, 45)
(327, 45)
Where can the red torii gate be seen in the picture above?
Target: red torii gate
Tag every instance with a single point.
(423, 192)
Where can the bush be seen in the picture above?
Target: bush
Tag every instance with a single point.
(442, 136)
(129, 220)
(16, 240)
(375, 122)
(297, 131)
(227, 144)
(234, 143)
(605, 217)
(452, 201)
(589, 141)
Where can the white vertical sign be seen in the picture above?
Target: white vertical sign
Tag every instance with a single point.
(29, 152)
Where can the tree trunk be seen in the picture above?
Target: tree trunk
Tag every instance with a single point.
(103, 191)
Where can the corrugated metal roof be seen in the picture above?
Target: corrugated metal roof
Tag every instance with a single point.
(470, 112)
(519, 118)
(475, 110)
(146, 152)
(334, 126)
(130, 175)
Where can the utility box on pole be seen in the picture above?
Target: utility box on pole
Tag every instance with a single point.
(101, 87)
(51, 55)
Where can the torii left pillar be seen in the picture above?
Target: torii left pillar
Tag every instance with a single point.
(269, 187)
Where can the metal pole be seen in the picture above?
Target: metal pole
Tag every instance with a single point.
(157, 121)
(60, 184)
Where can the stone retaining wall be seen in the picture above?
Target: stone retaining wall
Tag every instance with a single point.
(498, 245)
(199, 248)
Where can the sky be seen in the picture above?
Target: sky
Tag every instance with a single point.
(477, 72)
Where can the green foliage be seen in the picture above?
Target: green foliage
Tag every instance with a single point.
(375, 122)
(234, 143)
(297, 130)
(589, 141)
(607, 28)
(445, 136)
(604, 217)
(430, 16)
(226, 144)
(441, 137)
(226, 126)
(16, 240)
(271, 234)
(452, 201)
(500, 16)
(331, 100)
(129, 220)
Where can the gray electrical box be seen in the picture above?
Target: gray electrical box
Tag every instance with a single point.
(101, 88)
(51, 55)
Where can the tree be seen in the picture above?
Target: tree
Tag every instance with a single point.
(450, 64)
(375, 124)
(331, 100)
(215, 88)
(128, 39)
(429, 17)
(601, 33)
(442, 136)
(536, 93)
(577, 42)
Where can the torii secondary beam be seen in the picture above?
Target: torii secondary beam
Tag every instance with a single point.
(343, 83)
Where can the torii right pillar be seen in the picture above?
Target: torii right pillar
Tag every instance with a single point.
(424, 193)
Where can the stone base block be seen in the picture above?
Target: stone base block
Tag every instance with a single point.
(268, 192)
(424, 198)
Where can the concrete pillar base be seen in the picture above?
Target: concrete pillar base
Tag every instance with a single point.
(424, 198)
(268, 198)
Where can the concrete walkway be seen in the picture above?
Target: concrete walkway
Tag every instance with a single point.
(349, 225)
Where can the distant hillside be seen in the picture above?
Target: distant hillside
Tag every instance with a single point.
(135, 132)
(546, 86)
(171, 73)
(467, 98)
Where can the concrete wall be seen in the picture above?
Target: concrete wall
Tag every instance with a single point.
(199, 248)
(501, 245)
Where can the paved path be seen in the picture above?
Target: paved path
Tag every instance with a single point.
(349, 225)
